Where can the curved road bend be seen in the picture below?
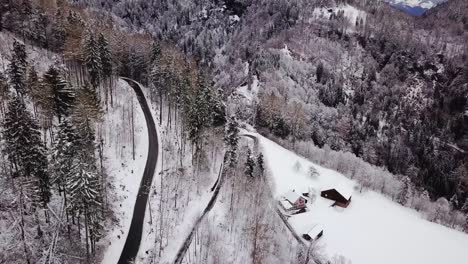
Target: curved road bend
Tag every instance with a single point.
(132, 244)
(185, 246)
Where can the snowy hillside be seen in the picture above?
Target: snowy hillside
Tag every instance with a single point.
(373, 229)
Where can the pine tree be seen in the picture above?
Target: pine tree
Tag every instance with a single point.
(406, 193)
(92, 60)
(155, 53)
(249, 164)
(219, 109)
(104, 56)
(58, 32)
(83, 186)
(17, 68)
(231, 139)
(64, 150)
(454, 202)
(82, 182)
(260, 164)
(25, 149)
(62, 93)
(4, 91)
(199, 114)
(464, 208)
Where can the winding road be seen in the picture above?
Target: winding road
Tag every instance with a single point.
(185, 246)
(132, 244)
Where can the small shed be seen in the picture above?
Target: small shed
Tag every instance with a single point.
(342, 199)
(314, 233)
(296, 200)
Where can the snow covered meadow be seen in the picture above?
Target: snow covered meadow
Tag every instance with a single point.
(373, 229)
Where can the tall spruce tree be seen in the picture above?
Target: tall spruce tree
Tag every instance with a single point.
(155, 53)
(62, 93)
(260, 164)
(105, 56)
(4, 91)
(249, 164)
(92, 60)
(17, 68)
(83, 181)
(231, 139)
(25, 149)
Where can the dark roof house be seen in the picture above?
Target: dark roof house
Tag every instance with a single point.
(341, 199)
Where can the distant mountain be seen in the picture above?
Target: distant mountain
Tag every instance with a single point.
(414, 7)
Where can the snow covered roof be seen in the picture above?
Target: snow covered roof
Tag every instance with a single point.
(315, 231)
(346, 191)
(286, 205)
(292, 196)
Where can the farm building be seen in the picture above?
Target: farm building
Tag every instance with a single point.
(293, 200)
(314, 233)
(341, 198)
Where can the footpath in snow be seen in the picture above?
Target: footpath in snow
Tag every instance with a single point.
(373, 229)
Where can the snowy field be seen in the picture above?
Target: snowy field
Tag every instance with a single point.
(373, 229)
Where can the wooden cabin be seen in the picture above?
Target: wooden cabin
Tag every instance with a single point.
(295, 200)
(341, 199)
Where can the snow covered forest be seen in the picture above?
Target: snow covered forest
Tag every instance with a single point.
(356, 86)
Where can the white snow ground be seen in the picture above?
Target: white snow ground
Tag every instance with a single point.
(351, 13)
(372, 229)
(124, 172)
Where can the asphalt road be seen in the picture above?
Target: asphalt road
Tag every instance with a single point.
(185, 246)
(132, 244)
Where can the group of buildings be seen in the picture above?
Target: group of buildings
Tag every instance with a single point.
(295, 203)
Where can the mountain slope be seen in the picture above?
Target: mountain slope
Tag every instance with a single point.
(415, 7)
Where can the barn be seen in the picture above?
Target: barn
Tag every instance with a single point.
(341, 198)
(293, 200)
(314, 233)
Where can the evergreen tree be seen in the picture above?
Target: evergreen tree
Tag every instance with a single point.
(199, 114)
(219, 109)
(82, 181)
(231, 139)
(260, 164)
(406, 192)
(155, 53)
(92, 60)
(58, 32)
(62, 93)
(64, 150)
(17, 68)
(104, 56)
(454, 202)
(25, 149)
(4, 89)
(249, 164)
(83, 186)
(464, 208)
